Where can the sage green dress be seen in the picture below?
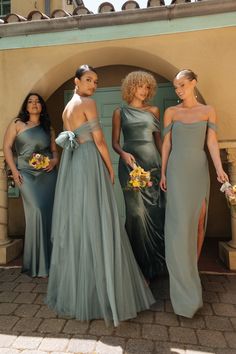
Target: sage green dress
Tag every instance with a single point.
(37, 193)
(93, 271)
(188, 187)
(145, 209)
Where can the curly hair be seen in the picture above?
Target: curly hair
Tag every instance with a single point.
(44, 117)
(134, 79)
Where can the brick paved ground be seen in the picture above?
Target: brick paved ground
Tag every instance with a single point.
(27, 326)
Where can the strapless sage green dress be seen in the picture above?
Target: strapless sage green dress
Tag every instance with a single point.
(37, 193)
(145, 209)
(188, 187)
(93, 271)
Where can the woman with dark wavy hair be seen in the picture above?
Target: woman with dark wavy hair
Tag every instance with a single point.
(34, 173)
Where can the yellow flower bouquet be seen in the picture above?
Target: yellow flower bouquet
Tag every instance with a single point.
(139, 178)
(39, 161)
(230, 193)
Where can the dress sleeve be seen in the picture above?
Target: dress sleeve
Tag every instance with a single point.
(167, 129)
(212, 126)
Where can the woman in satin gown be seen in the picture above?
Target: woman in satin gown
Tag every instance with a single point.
(185, 177)
(140, 125)
(32, 133)
(93, 271)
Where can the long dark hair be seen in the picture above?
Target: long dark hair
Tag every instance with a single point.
(44, 117)
(83, 69)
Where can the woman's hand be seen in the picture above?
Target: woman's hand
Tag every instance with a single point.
(163, 184)
(18, 179)
(128, 159)
(51, 165)
(222, 177)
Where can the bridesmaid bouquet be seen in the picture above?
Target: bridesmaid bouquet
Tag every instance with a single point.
(139, 178)
(39, 161)
(230, 193)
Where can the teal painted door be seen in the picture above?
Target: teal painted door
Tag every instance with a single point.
(108, 99)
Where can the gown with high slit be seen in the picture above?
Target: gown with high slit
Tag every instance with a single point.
(145, 209)
(188, 187)
(37, 191)
(93, 271)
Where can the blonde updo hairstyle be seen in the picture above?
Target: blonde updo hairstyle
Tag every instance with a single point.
(134, 79)
(187, 73)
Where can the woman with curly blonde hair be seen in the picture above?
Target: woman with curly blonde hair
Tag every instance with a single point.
(140, 125)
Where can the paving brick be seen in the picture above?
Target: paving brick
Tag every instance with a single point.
(25, 287)
(211, 338)
(6, 340)
(45, 312)
(158, 306)
(228, 297)
(8, 351)
(170, 348)
(8, 277)
(24, 278)
(154, 332)
(210, 296)
(205, 310)
(54, 344)
(195, 322)
(33, 352)
(40, 299)
(182, 335)
(134, 346)
(74, 326)
(231, 339)
(27, 310)
(224, 351)
(110, 345)
(25, 298)
(7, 296)
(41, 288)
(7, 286)
(99, 328)
(27, 342)
(168, 306)
(233, 321)
(144, 317)
(218, 323)
(128, 329)
(7, 322)
(166, 319)
(230, 286)
(85, 344)
(224, 309)
(52, 326)
(7, 309)
(218, 278)
(214, 286)
(27, 324)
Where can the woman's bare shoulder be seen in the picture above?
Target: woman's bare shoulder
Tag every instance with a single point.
(155, 111)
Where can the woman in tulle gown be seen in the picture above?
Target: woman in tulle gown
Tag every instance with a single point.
(93, 271)
(32, 133)
(145, 208)
(185, 177)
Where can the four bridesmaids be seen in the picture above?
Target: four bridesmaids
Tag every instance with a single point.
(185, 177)
(93, 271)
(140, 124)
(29, 133)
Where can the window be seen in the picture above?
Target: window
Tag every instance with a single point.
(5, 7)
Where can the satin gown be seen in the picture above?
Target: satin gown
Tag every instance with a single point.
(145, 209)
(93, 271)
(37, 193)
(188, 187)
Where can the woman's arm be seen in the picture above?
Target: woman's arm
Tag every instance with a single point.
(116, 130)
(166, 148)
(9, 139)
(157, 135)
(213, 148)
(90, 110)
